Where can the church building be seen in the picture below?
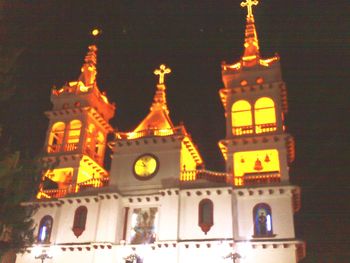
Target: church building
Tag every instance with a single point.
(157, 203)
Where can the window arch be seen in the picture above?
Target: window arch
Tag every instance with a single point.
(73, 135)
(242, 122)
(79, 222)
(45, 228)
(56, 137)
(205, 215)
(265, 115)
(262, 217)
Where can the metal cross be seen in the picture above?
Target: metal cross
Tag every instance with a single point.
(249, 4)
(161, 72)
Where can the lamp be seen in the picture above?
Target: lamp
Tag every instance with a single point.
(42, 253)
(234, 256)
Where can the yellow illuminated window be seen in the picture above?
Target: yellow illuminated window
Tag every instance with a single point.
(187, 164)
(56, 137)
(73, 135)
(242, 118)
(255, 163)
(265, 116)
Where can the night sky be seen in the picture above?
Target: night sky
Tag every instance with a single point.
(193, 38)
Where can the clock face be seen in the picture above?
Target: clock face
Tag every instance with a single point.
(146, 166)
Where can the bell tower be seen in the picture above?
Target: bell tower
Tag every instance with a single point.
(257, 149)
(74, 149)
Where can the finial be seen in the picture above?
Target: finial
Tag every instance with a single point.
(161, 72)
(249, 4)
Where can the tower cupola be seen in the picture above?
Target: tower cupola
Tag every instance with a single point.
(256, 148)
(75, 144)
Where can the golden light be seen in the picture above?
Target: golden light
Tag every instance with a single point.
(249, 4)
(161, 72)
(255, 162)
(145, 166)
(95, 32)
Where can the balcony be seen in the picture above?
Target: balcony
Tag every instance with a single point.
(261, 178)
(70, 147)
(54, 148)
(73, 188)
(254, 129)
(194, 175)
(266, 127)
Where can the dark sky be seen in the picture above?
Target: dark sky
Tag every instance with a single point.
(193, 37)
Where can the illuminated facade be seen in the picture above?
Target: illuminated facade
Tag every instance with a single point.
(158, 203)
(76, 138)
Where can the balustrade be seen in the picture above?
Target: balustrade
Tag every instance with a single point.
(54, 148)
(261, 178)
(257, 129)
(74, 188)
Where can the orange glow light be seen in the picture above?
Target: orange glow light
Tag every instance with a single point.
(249, 4)
(95, 32)
(161, 72)
(255, 162)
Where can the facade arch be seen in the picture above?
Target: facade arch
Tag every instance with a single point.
(265, 115)
(45, 229)
(241, 117)
(262, 216)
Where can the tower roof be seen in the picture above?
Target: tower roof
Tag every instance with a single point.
(158, 117)
(251, 55)
(84, 92)
(88, 70)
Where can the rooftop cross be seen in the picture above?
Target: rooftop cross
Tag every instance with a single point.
(249, 4)
(161, 72)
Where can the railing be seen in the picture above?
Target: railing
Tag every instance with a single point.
(266, 127)
(54, 148)
(180, 130)
(243, 130)
(251, 129)
(74, 188)
(193, 175)
(261, 178)
(92, 183)
(69, 147)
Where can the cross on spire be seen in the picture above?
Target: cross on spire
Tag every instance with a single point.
(161, 72)
(249, 4)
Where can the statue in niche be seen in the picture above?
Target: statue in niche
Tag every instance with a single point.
(144, 227)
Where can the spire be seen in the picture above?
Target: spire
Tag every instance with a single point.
(88, 70)
(251, 55)
(158, 117)
(159, 100)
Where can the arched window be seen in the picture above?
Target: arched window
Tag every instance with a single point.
(265, 115)
(242, 118)
(45, 228)
(205, 215)
(73, 135)
(262, 217)
(79, 223)
(56, 137)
